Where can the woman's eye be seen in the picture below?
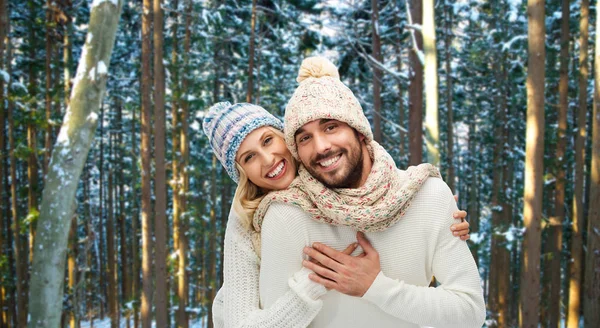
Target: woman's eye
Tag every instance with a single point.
(267, 140)
(247, 158)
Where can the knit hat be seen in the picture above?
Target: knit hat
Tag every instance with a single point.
(321, 95)
(227, 125)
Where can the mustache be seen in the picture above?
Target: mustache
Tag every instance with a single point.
(323, 156)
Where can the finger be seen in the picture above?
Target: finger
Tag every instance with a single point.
(456, 198)
(463, 226)
(459, 214)
(323, 259)
(323, 272)
(465, 237)
(364, 243)
(331, 253)
(320, 280)
(350, 248)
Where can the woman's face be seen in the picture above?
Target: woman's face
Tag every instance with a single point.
(266, 160)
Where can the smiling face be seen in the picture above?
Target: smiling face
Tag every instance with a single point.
(266, 160)
(332, 152)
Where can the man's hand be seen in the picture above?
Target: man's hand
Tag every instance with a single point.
(350, 275)
(460, 230)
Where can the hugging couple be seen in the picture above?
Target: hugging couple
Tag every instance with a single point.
(325, 230)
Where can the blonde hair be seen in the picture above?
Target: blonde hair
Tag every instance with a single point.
(248, 195)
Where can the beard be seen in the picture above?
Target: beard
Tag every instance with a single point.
(348, 175)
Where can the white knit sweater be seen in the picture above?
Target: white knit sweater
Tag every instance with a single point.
(237, 302)
(419, 246)
(399, 297)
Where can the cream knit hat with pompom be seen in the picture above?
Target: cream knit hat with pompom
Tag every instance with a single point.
(321, 95)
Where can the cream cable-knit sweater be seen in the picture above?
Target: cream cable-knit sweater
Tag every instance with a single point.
(419, 246)
(237, 302)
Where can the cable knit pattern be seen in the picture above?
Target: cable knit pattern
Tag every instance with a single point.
(411, 252)
(237, 302)
(375, 206)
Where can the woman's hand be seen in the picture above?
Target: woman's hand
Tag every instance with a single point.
(460, 230)
(350, 275)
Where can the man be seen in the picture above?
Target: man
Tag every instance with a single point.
(386, 285)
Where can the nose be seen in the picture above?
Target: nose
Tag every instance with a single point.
(321, 144)
(268, 159)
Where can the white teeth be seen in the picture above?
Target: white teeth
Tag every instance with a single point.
(276, 171)
(329, 162)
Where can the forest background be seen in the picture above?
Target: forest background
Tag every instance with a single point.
(113, 207)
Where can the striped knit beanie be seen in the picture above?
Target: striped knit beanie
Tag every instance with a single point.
(321, 95)
(227, 125)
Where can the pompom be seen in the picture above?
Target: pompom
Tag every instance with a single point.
(317, 67)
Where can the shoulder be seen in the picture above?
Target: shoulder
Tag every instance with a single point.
(283, 215)
(434, 202)
(435, 190)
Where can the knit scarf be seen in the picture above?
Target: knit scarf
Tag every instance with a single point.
(375, 206)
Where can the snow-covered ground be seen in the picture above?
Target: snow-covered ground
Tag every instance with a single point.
(199, 323)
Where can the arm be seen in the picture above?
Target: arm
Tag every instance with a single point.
(458, 302)
(241, 305)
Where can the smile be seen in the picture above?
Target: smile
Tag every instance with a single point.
(277, 171)
(330, 163)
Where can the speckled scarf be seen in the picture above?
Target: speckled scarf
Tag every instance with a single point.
(375, 206)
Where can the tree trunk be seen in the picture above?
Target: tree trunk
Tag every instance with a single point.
(432, 124)
(212, 256)
(473, 186)
(415, 92)
(67, 51)
(146, 308)
(577, 216)
(32, 161)
(89, 288)
(532, 212)
(72, 269)
(48, 99)
(176, 176)
(250, 89)
(556, 220)
(101, 266)
(498, 240)
(450, 120)
(377, 74)
(183, 283)
(73, 144)
(398, 51)
(135, 281)
(111, 271)
(591, 296)
(3, 34)
(504, 286)
(160, 220)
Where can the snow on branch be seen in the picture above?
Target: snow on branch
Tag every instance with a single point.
(412, 29)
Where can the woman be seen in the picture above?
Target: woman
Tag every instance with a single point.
(249, 143)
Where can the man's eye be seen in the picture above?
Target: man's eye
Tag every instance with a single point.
(302, 139)
(330, 127)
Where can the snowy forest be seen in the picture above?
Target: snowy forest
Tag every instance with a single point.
(113, 207)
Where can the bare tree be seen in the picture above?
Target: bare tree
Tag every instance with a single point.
(66, 164)
(534, 153)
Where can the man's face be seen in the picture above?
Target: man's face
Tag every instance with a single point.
(332, 152)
